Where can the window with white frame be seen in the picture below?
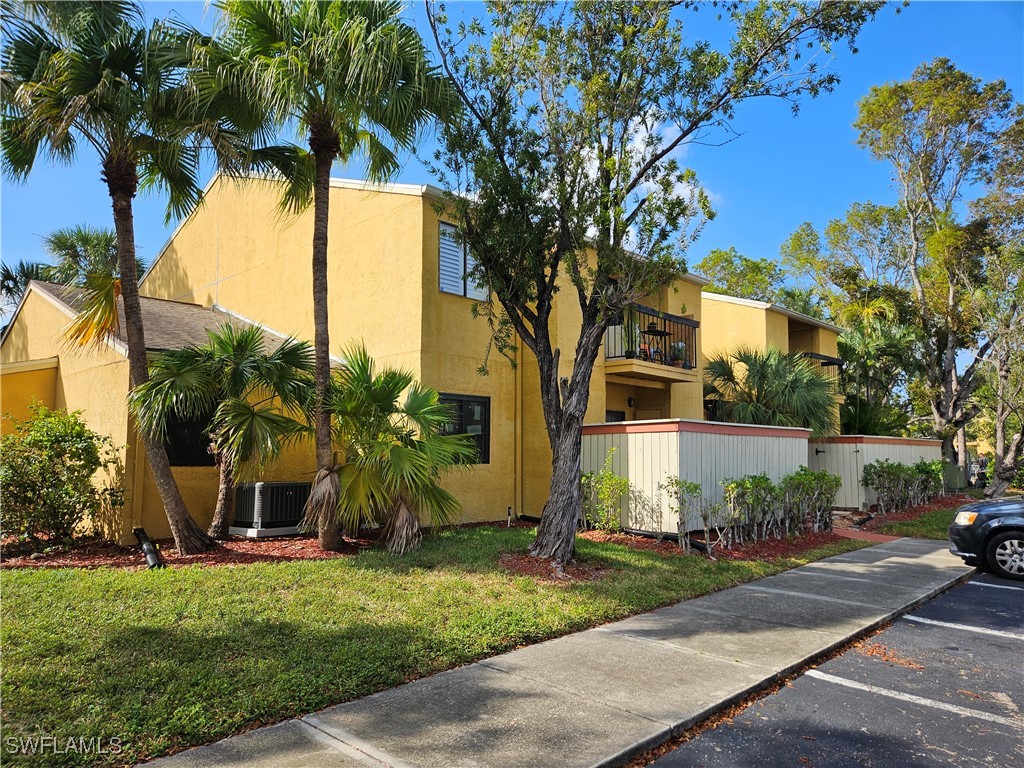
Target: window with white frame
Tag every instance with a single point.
(456, 263)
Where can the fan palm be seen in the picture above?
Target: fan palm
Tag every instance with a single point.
(877, 353)
(85, 257)
(92, 72)
(14, 280)
(355, 80)
(770, 387)
(250, 396)
(396, 450)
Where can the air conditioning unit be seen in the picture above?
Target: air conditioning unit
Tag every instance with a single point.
(268, 509)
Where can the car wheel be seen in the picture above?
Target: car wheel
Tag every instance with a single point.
(1005, 555)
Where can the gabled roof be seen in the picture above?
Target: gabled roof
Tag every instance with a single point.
(168, 324)
(769, 306)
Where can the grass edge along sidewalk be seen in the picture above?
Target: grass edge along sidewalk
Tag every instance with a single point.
(170, 659)
(605, 695)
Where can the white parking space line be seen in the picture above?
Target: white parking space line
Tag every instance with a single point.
(994, 586)
(909, 697)
(966, 628)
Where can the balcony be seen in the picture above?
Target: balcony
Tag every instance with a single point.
(830, 368)
(647, 344)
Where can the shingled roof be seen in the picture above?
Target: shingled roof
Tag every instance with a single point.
(168, 324)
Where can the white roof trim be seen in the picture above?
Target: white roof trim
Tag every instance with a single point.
(766, 305)
(112, 341)
(693, 277)
(40, 364)
(417, 190)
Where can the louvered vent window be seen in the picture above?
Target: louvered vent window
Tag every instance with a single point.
(456, 264)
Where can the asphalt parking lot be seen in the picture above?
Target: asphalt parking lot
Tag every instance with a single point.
(944, 685)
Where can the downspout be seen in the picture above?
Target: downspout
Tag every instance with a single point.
(517, 459)
(138, 478)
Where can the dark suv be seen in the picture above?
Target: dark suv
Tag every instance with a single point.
(991, 534)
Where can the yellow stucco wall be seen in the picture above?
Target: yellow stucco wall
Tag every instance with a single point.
(777, 330)
(727, 326)
(20, 388)
(453, 347)
(240, 252)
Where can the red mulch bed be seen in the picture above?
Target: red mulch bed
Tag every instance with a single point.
(912, 513)
(762, 550)
(96, 553)
(663, 547)
(544, 570)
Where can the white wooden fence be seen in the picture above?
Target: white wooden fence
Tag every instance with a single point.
(847, 456)
(707, 452)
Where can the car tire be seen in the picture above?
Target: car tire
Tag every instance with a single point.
(1005, 555)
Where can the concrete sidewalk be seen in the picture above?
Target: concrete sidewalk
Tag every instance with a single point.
(603, 696)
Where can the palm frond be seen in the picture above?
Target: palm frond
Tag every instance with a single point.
(98, 319)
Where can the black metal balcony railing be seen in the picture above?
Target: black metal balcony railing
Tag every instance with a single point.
(831, 368)
(643, 333)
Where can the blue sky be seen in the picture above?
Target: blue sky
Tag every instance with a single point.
(780, 172)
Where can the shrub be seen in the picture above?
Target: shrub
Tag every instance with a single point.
(754, 508)
(899, 485)
(47, 475)
(928, 481)
(684, 500)
(809, 498)
(602, 496)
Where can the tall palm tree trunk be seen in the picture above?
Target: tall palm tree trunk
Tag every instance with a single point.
(189, 538)
(225, 499)
(325, 146)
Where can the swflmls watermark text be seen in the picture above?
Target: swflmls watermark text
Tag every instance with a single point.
(62, 745)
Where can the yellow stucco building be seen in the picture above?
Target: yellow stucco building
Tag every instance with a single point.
(396, 283)
(730, 322)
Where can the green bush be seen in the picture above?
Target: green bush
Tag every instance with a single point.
(602, 496)
(809, 498)
(758, 509)
(899, 486)
(684, 500)
(47, 476)
(754, 506)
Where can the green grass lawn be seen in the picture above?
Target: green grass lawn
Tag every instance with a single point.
(930, 525)
(166, 659)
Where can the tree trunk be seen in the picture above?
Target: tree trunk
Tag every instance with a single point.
(1005, 466)
(325, 146)
(225, 499)
(961, 448)
(189, 538)
(565, 405)
(1009, 454)
(556, 535)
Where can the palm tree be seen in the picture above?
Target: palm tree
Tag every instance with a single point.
(770, 387)
(14, 280)
(395, 452)
(250, 396)
(355, 80)
(878, 354)
(92, 72)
